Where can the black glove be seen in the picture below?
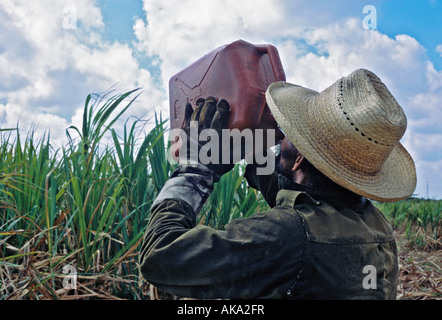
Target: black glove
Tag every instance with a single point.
(208, 114)
(192, 182)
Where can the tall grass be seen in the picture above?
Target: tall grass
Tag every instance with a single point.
(86, 205)
(419, 219)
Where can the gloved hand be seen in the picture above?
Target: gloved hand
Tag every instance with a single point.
(212, 116)
(192, 182)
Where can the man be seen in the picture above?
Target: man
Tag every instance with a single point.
(322, 238)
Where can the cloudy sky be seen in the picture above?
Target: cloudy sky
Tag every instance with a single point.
(54, 53)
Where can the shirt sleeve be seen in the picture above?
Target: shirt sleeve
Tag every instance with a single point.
(255, 257)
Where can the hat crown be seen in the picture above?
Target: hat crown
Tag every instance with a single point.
(366, 98)
(372, 121)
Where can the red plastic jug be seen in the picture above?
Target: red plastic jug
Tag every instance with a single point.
(239, 72)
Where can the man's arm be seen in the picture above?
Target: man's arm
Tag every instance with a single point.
(247, 260)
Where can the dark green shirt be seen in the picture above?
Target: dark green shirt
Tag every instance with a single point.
(312, 244)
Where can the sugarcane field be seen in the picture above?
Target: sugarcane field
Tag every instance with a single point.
(72, 219)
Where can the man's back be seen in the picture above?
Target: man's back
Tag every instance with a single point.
(350, 251)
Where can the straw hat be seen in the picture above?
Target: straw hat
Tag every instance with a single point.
(350, 132)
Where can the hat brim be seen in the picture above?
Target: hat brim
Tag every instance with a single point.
(396, 179)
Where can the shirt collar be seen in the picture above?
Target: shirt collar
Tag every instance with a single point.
(319, 193)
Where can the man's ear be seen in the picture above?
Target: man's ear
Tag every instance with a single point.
(298, 162)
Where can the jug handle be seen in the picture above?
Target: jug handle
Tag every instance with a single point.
(275, 60)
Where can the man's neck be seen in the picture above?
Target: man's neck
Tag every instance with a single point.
(329, 190)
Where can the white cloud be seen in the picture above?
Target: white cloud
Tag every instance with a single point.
(48, 70)
(346, 46)
(179, 32)
(439, 49)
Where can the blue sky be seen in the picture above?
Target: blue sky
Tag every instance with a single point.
(48, 69)
(420, 19)
(119, 17)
